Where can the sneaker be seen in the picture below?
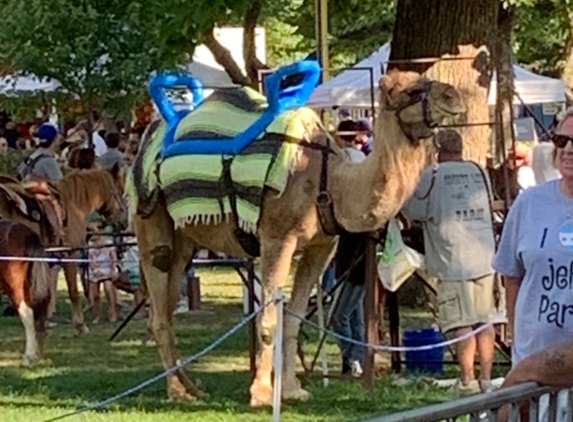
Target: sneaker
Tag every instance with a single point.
(486, 386)
(182, 308)
(356, 369)
(472, 388)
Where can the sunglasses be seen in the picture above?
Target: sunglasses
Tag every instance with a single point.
(560, 141)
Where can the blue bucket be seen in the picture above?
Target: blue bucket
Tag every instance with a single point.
(418, 361)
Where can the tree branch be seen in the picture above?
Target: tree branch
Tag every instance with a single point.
(252, 63)
(223, 56)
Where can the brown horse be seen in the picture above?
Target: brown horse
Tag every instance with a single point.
(25, 283)
(79, 193)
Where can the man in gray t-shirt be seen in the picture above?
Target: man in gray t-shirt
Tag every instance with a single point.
(453, 203)
(42, 162)
(113, 156)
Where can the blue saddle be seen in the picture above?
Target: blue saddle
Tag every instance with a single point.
(289, 87)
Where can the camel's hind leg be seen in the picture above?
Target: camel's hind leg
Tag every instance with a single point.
(276, 257)
(71, 273)
(312, 265)
(163, 260)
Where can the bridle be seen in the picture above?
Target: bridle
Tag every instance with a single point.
(115, 199)
(416, 96)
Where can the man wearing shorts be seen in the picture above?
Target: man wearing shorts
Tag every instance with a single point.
(452, 201)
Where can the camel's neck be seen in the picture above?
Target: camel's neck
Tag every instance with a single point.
(366, 195)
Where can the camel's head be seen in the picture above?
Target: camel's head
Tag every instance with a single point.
(421, 105)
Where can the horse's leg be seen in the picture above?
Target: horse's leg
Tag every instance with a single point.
(17, 274)
(311, 266)
(39, 280)
(276, 257)
(158, 256)
(71, 273)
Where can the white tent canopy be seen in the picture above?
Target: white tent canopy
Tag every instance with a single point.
(352, 88)
(210, 76)
(9, 84)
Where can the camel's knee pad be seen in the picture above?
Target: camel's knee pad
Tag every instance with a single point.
(162, 258)
(268, 335)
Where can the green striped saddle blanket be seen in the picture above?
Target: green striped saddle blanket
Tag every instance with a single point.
(192, 185)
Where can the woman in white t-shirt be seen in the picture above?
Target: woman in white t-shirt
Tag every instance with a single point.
(535, 257)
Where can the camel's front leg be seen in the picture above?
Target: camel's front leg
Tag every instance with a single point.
(276, 257)
(71, 273)
(163, 266)
(310, 268)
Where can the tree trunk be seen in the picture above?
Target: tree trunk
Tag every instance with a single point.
(453, 28)
(252, 63)
(223, 56)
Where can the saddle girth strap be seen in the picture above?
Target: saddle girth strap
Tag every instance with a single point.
(248, 241)
(324, 204)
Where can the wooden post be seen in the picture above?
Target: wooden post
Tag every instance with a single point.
(250, 266)
(370, 311)
(194, 293)
(394, 317)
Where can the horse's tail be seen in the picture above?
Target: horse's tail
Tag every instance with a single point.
(37, 277)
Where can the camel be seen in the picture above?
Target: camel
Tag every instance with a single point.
(365, 196)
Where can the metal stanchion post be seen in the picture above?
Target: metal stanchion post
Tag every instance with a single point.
(323, 358)
(278, 361)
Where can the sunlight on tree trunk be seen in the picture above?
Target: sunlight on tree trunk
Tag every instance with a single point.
(437, 28)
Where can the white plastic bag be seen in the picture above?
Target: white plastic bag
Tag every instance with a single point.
(398, 262)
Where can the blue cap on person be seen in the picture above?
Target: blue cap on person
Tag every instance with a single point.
(47, 133)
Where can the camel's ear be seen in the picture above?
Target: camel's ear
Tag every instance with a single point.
(387, 86)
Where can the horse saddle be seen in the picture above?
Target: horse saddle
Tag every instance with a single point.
(24, 204)
(50, 202)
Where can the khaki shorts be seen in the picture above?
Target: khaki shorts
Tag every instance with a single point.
(466, 303)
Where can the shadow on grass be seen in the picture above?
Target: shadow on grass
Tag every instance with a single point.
(229, 394)
(85, 370)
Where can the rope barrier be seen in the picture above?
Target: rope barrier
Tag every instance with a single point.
(164, 374)
(399, 348)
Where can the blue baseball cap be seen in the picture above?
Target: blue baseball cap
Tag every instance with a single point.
(47, 133)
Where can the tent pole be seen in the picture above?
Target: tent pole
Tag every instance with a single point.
(323, 16)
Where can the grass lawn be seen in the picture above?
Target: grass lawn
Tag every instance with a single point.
(80, 371)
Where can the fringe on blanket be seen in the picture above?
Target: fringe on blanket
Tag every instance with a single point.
(207, 219)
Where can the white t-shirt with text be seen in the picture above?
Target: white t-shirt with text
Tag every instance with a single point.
(537, 246)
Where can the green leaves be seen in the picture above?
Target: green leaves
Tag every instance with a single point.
(102, 51)
(542, 31)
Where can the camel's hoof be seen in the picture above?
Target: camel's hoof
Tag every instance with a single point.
(178, 395)
(82, 330)
(30, 361)
(296, 394)
(261, 396)
(181, 398)
(201, 395)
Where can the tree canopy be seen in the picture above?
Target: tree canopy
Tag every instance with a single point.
(103, 51)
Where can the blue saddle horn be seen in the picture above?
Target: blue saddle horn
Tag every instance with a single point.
(287, 88)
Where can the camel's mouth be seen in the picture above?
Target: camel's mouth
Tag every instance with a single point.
(450, 117)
